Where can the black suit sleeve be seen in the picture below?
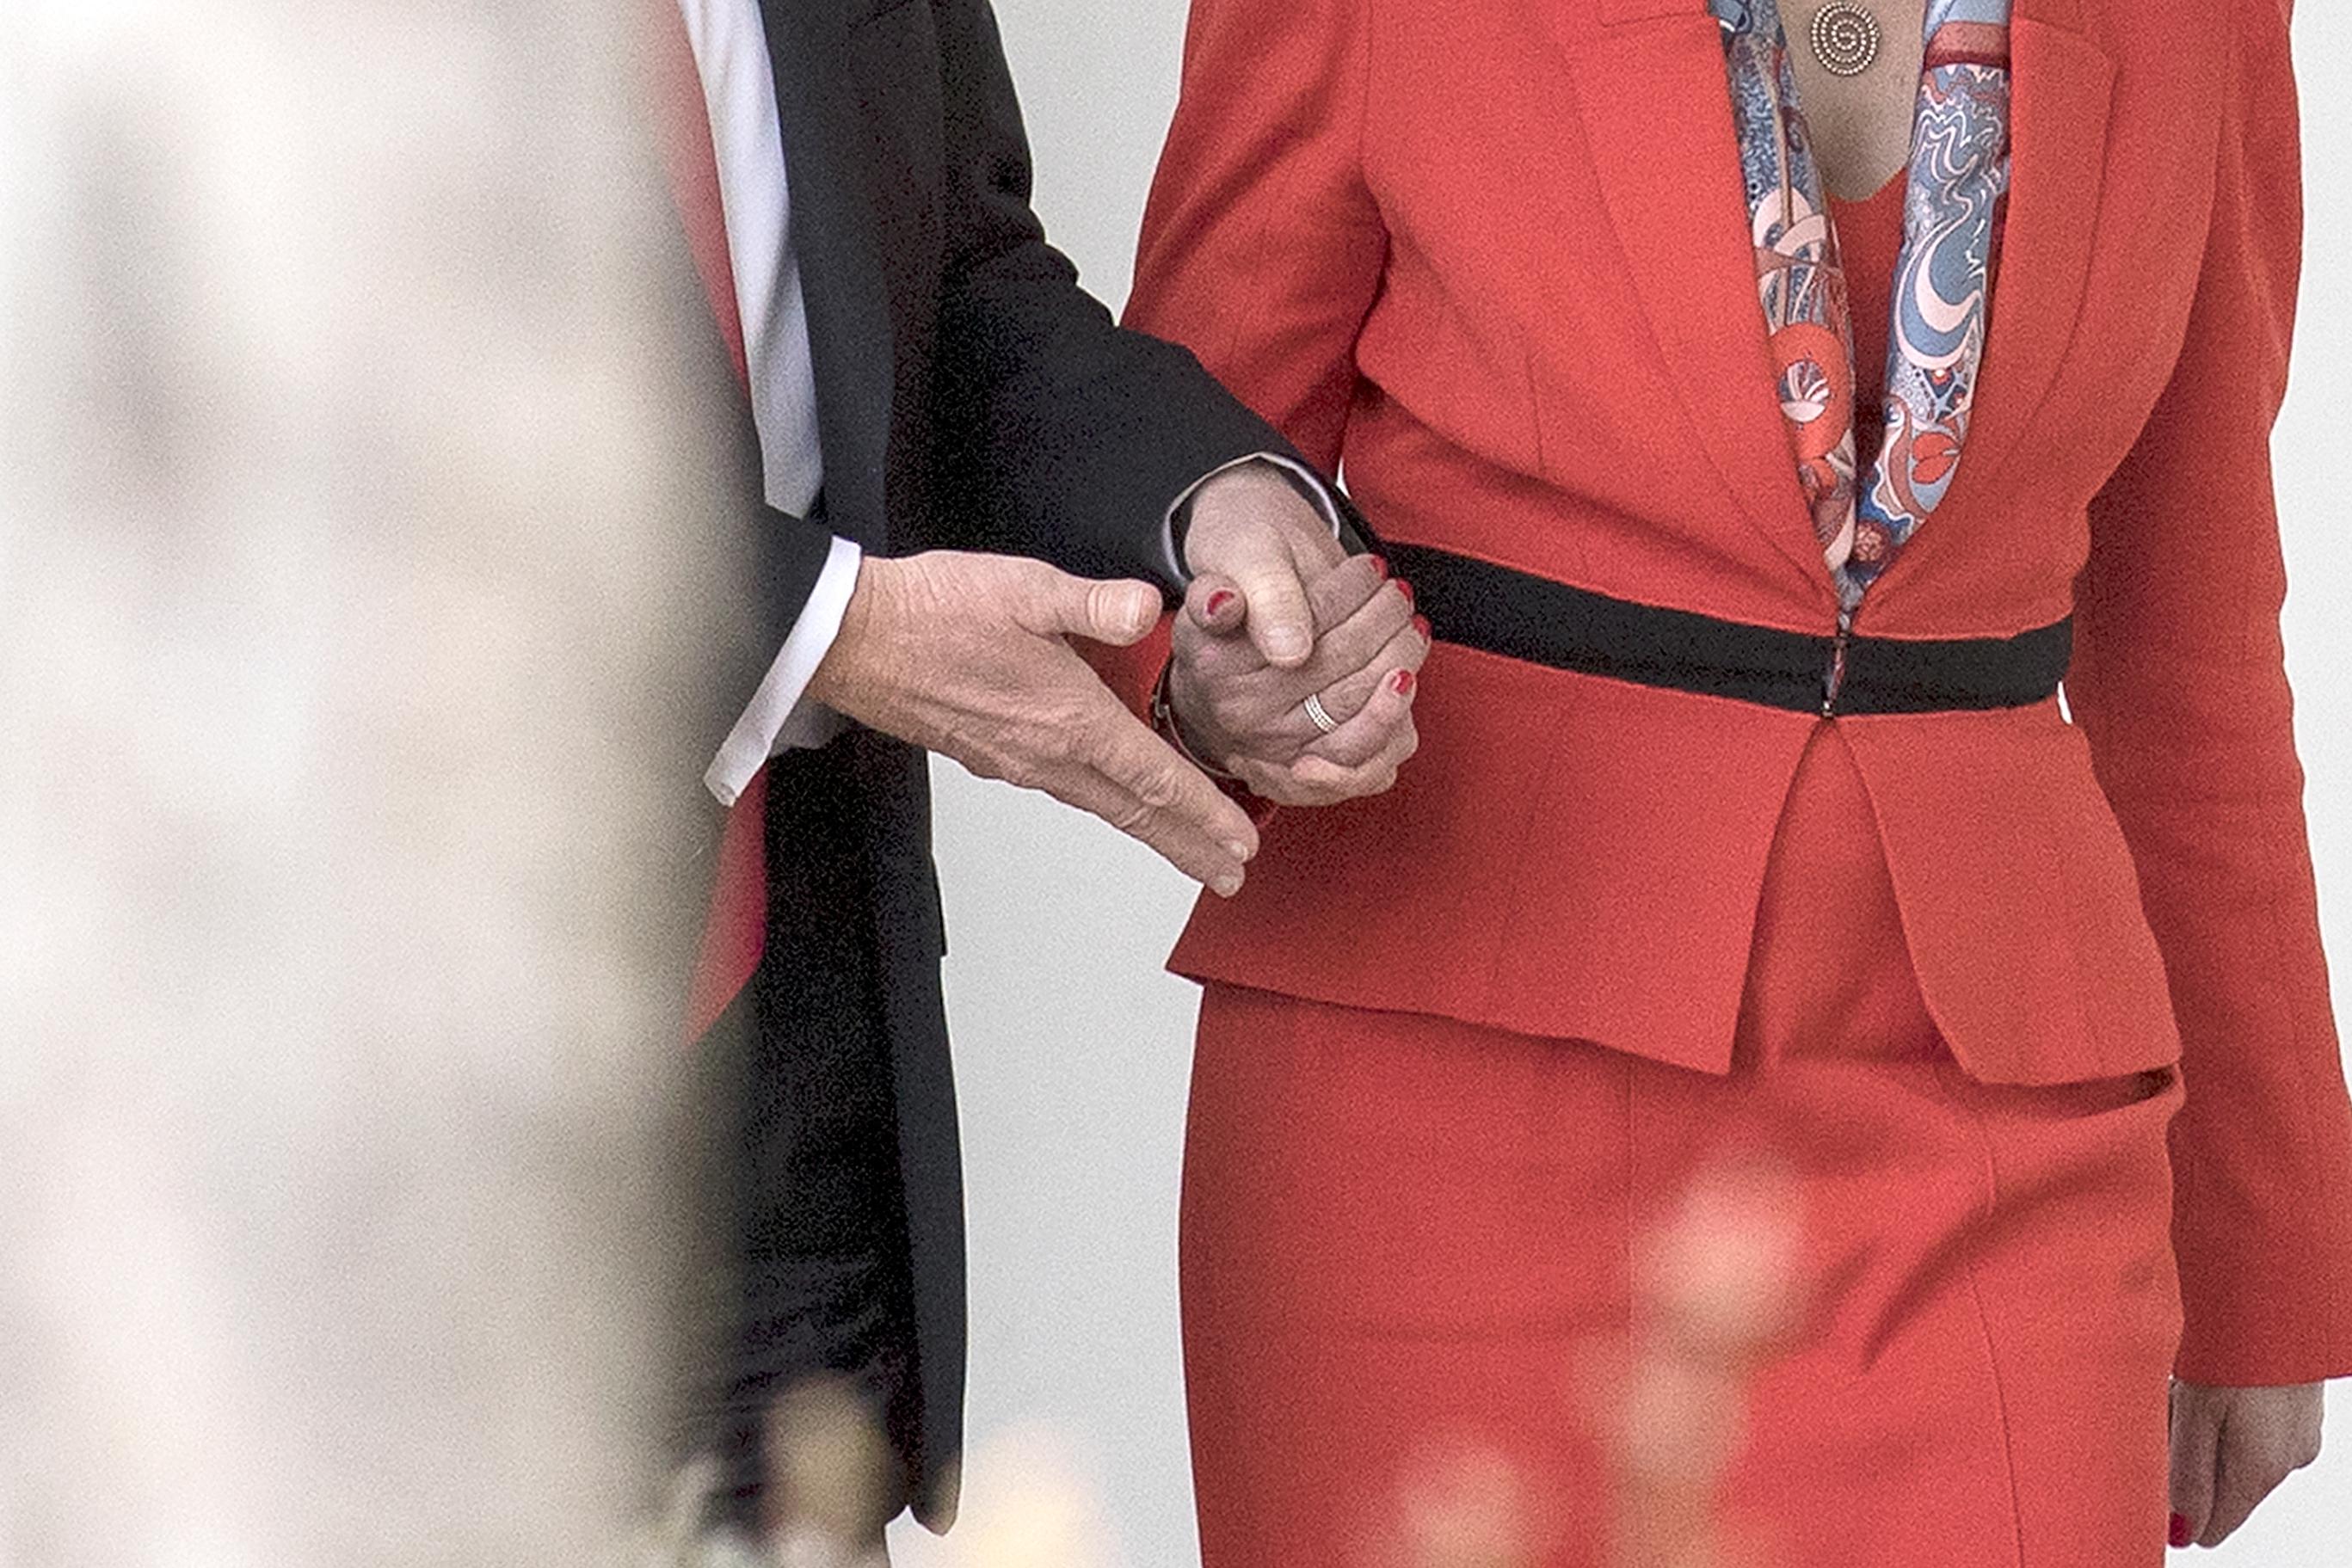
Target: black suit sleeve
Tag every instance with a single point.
(1067, 436)
(788, 555)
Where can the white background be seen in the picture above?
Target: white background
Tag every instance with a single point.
(1074, 1047)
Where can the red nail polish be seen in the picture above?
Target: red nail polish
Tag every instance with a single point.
(1381, 565)
(2180, 1536)
(1403, 683)
(1420, 624)
(1219, 599)
(1406, 589)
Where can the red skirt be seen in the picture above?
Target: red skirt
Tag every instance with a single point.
(1414, 1305)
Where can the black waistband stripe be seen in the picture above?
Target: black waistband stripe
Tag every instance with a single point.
(1516, 614)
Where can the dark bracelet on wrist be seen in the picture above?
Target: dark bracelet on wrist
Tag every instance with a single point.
(1163, 723)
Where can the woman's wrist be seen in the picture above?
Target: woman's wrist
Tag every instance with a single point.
(1169, 726)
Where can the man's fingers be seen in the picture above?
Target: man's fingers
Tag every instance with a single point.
(1147, 768)
(2196, 1453)
(1166, 802)
(1204, 855)
(1106, 762)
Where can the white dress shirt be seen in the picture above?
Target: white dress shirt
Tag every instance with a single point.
(739, 88)
(731, 50)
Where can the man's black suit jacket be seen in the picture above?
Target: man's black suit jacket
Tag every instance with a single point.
(970, 395)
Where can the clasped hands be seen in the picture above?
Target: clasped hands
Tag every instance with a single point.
(1293, 666)
(967, 654)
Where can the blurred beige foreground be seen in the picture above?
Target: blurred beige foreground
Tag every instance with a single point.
(344, 788)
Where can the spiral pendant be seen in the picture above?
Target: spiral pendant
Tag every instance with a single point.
(1844, 39)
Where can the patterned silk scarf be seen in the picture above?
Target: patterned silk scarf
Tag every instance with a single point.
(1952, 212)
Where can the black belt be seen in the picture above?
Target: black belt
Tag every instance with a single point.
(1518, 615)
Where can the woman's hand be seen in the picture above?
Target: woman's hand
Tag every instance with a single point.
(2231, 1446)
(1247, 715)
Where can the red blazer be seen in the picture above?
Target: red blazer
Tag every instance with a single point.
(1493, 257)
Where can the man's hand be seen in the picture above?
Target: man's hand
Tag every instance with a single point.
(1249, 717)
(2231, 1446)
(1253, 534)
(964, 654)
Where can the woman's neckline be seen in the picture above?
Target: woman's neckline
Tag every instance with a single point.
(1894, 182)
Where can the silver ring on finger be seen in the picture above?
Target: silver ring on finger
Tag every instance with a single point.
(1317, 713)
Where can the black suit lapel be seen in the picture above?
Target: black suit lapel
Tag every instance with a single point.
(840, 260)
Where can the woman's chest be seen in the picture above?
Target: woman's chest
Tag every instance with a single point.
(1857, 65)
(1502, 115)
(1565, 174)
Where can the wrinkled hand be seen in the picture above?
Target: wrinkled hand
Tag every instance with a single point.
(1277, 613)
(2231, 1446)
(1251, 533)
(965, 655)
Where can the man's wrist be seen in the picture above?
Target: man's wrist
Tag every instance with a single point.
(1260, 486)
(833, 682)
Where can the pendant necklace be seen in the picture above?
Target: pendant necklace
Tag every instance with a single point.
(1844, 39)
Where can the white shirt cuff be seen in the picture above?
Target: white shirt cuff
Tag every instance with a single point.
(778, 720)
(1315, 486)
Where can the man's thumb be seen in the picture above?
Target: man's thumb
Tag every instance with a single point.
(1117, 613)
(1280, 622)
